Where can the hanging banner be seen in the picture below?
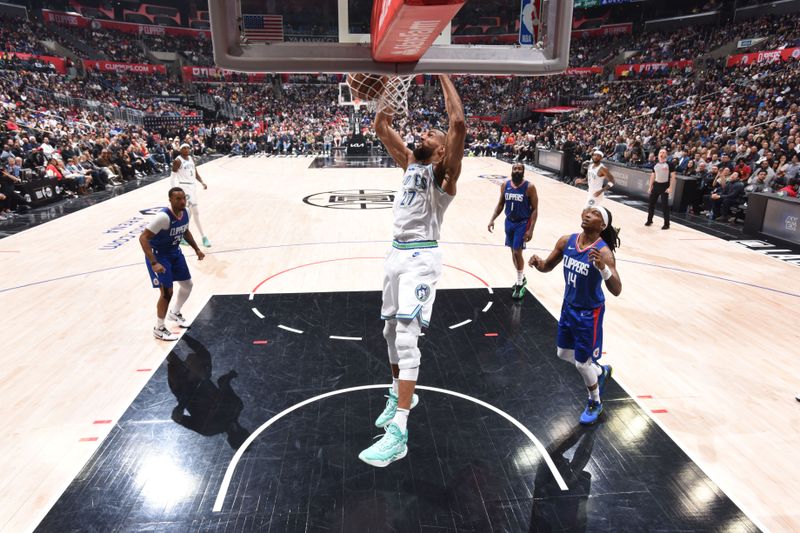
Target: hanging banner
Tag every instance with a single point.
(769, 56)
(78, 21)
(113, 66)
(57, 62)
(649, 67)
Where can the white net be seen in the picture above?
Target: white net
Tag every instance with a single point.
(381, 93)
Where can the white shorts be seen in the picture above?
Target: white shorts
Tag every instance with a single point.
(191, 193)
(409, 284)
(592, 200)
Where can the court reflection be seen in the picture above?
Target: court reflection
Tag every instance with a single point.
(557, 510)
(213, 408)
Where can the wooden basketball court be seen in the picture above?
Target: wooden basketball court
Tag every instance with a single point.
(701, 336)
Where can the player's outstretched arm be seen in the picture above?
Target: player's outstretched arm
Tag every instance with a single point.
(498, 208)
(190, 239)
(604, 259)
(546, 265)
(144, 242)
(391, 140)
(456, 133)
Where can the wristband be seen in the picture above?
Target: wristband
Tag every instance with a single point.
(606, 273)
(610, 184)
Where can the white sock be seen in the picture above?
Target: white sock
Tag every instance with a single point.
(184, 290)
(396, 386)
(401, 419)
(520, 276)
(195, 211)
(598, 369)
(159, 322)
(595, 394)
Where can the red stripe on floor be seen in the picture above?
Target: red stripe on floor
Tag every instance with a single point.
(658, 411)
(260, 342)
(645, 397)
(144, 369)
(101, 422)
(490, 334)
(87, 439)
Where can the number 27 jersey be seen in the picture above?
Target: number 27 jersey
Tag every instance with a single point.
(419, 206)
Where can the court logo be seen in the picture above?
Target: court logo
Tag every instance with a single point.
(352, 199)
(497, 179)
(791, 223)
(151, 210)
(423, 292)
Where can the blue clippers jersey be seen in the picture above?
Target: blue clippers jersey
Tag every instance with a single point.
(518, 207)
(583, 282)
(168, 241)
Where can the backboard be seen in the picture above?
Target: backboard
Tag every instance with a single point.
(492, 37)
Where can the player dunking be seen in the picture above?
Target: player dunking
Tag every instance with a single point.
(588, 261)
(185, 176)
(522, 209)
(414, 263)
(598, 179)
(165, 262)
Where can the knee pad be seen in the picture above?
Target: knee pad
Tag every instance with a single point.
(406, 344)
(389, 333)
(566, 354)
(409, 374)
(587, 372)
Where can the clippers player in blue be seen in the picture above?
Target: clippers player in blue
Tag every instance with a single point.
(521, 204)
(588, 262)
(161, 241)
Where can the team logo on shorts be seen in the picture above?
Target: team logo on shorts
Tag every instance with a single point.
(596, 353)
(155, 281)
(423, 292)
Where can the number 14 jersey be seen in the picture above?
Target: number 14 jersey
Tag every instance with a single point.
(583, 282)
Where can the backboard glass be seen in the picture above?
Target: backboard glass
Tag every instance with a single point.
(333, 36)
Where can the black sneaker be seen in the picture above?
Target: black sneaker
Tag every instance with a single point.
(648, 223)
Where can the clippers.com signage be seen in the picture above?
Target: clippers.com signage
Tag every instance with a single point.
(78, 21)
(113, 66)
(770, 56)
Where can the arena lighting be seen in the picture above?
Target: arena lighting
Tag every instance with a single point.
(163, 482)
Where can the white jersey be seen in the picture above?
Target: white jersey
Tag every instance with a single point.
(593, 178)
(186, 174)
(419, 206)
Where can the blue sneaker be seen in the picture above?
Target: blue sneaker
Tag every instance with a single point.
(389, 449)
(591, 413)
(602, 380)
(391, 408)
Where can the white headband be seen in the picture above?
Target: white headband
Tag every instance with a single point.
(603, 213)
(598, 152)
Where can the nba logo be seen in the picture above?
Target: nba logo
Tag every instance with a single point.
(528, 21)
(423, 292)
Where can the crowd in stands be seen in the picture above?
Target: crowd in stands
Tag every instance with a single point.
(727, 126)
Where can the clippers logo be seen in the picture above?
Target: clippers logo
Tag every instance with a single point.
(791, 223)
(596, 353)
(352, 199)
(423, 292)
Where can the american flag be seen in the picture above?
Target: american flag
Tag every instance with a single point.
(263, 28)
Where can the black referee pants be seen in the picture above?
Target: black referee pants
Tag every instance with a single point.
(659, 189)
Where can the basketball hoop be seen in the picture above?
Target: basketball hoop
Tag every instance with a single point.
(392, 100)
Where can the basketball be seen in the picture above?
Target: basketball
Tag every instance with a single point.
(367, 86)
